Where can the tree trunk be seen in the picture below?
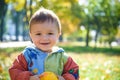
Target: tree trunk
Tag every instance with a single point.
(17, 26)
(30, 8)
(98, 29)
(2, 25)
(1, 30)
(87, 36)
(88, 31)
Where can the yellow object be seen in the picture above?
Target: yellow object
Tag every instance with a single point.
(48, 76)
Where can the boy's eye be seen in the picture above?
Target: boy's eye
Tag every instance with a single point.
(50, 33)
(38, 34)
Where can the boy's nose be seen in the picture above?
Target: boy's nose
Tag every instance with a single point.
(44, 37)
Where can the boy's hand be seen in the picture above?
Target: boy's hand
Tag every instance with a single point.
(60, 78)
(35, 77)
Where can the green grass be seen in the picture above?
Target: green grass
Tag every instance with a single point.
(80, 48)
(101, 63)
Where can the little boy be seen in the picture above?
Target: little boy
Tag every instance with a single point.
(42, 56)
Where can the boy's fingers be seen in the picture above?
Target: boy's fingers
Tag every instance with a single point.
(60, 78)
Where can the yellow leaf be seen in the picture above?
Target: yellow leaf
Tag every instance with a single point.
(19, 5)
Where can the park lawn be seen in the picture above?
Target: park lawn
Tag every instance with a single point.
(97, 66)
(94, 64)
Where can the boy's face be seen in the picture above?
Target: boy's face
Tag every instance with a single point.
(44, 35)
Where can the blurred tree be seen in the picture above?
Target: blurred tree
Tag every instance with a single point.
(3, 10)
(108, 20)
(102, 16)
(84, 16)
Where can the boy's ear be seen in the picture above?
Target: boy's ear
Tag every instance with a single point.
(29, 34)
(60, 33)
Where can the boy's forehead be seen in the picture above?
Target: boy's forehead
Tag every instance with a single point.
(45, 22)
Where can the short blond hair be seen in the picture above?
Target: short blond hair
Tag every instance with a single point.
(42, 15)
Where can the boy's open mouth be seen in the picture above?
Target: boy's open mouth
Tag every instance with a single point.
(44, 43)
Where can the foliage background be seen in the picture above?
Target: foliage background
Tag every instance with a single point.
(98, 16)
